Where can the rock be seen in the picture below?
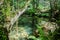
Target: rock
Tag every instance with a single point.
(19, 34)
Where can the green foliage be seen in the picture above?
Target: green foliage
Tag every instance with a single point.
(44, 14)
(42, 34)
(6, 11)
(3, 34)
(10, 8)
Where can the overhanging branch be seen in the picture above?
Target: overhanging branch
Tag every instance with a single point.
(14, 19)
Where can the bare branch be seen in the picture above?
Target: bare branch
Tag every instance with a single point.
(14, 19)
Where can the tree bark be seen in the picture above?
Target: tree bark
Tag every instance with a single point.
(14, 19)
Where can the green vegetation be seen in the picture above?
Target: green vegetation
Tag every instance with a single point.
(29, 20)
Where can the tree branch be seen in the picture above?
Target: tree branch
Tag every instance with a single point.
(14, 19)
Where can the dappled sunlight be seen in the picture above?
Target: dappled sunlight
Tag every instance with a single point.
(29, 20)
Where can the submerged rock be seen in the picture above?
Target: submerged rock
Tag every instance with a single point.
(19, 33)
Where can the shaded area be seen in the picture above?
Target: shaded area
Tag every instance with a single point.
(3, 34)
